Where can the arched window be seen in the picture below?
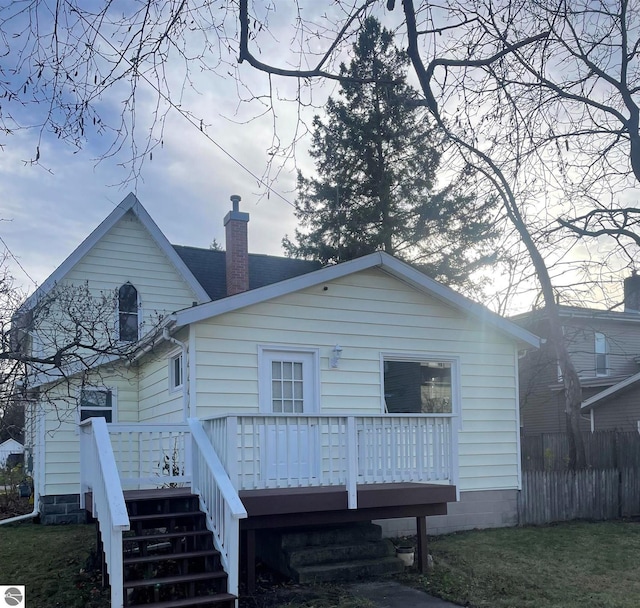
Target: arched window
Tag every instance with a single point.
(128, 313)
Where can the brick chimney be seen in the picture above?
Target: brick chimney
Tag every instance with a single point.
(237, 255)
(632, 293)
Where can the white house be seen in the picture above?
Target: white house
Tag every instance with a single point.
(9, 447)
(279, 392)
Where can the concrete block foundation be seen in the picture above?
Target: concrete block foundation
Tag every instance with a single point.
(62, 509)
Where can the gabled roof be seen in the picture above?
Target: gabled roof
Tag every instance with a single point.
(610, 392)
(130, 203)
(380, 260)
(209, 268)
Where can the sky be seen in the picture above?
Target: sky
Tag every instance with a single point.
(46, 210)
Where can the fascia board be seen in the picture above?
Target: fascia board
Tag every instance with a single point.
(130, 203)
(381, 260)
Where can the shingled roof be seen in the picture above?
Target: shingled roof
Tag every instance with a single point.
(209, 268)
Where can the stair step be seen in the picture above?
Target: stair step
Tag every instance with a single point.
(165, 535)
(219, 599)
(172, 580)
(177, 514)
(324, 536)
(348, 571)
(145, 559)
(316, 555)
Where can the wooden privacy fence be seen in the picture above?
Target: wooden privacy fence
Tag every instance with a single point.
(604, 450)
(549, 496)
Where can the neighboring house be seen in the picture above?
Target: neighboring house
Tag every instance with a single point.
(9, 448)
(604, 346)
(282, 392)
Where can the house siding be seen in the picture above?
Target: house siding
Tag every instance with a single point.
(541, 395)
(620, 413)
(128, 253)
(370, 313)
(62, 462)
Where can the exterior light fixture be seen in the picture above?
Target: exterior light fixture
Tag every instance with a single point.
(336, 353)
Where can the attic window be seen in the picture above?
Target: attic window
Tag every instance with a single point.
(418, 387)
(128, 313)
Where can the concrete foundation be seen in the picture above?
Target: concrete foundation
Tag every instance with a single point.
(481, 509)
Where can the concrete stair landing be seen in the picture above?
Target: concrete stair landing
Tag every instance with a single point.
(339, 553)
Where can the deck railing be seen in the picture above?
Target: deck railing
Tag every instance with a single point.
(152, 455)
(99, 475)
(276, 450)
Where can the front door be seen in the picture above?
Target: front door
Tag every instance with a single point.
(289, 386)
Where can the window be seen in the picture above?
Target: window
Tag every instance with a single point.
(96, 402)
(176, 378)
(128, 313)
(602, 355)
(418, 387)
(286, 387)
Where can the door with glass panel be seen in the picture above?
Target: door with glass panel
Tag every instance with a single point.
(288, 387)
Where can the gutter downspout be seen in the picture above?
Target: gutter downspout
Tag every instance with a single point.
(36, 490)
(32, 515)
(185, 388)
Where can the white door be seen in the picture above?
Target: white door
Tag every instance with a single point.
(289, 386)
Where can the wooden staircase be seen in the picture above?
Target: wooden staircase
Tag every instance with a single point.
(169, 559)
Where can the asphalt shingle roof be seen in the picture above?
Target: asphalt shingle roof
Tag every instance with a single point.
(209, 268)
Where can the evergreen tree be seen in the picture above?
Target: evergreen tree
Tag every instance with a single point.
(377, 158)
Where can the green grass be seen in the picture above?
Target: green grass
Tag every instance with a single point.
(51, 561)
(574, 565)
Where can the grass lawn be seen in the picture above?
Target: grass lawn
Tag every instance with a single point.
(51, 562)
(575, 565)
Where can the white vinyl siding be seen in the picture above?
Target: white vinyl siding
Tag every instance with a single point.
(62, 462)
(370, 313)
(127, 253)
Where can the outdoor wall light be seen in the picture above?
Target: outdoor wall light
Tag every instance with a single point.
(336, 353)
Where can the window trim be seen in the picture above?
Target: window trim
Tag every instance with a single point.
(456, 393)
(114, 401)
(176, 355)
(264, 375)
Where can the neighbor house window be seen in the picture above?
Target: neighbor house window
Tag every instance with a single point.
(602, 355)
(96, 403)
(418, 387)
(176, 372)
(128, 313)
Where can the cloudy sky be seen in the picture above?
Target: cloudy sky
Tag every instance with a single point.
(46, 210)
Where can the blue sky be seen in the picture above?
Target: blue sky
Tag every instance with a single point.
(46, 210)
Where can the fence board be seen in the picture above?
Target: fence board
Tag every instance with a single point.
(603, 450)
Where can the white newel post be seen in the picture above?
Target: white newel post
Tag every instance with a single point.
(352, 464)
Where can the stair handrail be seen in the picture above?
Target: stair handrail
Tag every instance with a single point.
(99, 475)
(215, 489)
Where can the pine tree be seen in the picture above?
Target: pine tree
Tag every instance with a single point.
(377, 157)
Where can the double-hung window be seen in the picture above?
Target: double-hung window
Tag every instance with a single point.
(128, 308)
(602, 355)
